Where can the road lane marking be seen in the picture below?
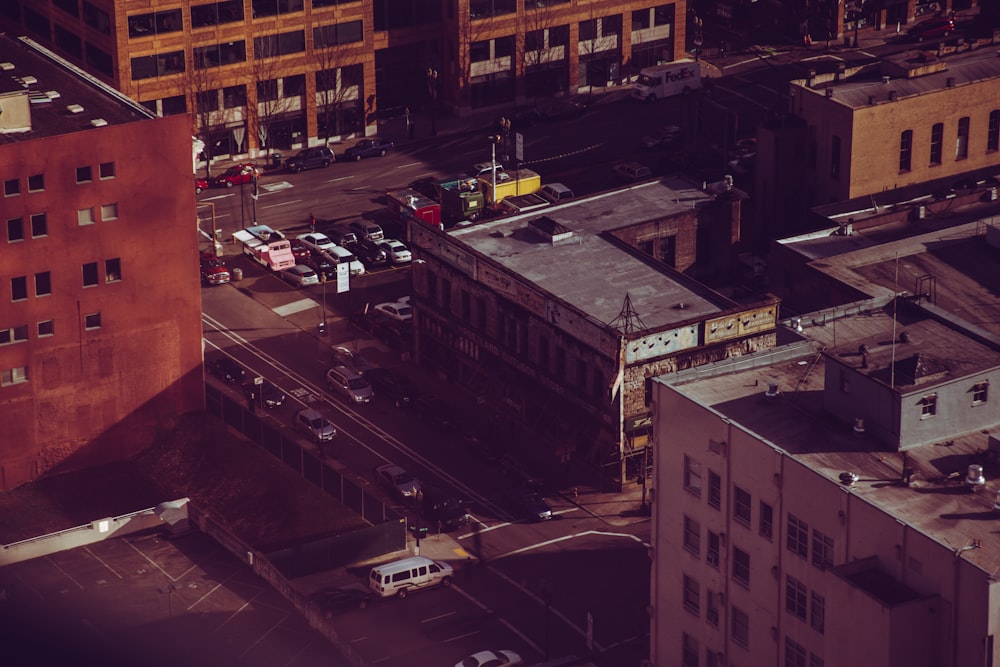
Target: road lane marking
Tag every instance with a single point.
(339, 178)
(502, 620)
(408, 164)
(295, 307)
(216, 197)
(284, 203)
(67, 574)
(438, 618)
(235, 614)
(457, 637)
(276, 186)
(214, 588)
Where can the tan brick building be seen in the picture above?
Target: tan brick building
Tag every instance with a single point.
(285, 73)
(97, 244)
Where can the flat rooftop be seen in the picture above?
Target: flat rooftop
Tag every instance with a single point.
(936, 503)
(54, 87)
(592, 272)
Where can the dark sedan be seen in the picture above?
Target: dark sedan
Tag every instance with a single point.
(227, 370)
(396, 388)
(369, 148)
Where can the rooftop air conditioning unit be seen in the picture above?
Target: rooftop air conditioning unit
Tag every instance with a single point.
(859, 425)
(98, 122)
(772, 391)
(74, 108)
(974, 478)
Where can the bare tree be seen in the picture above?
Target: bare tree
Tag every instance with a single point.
(335, 84)
(203, 98)
(533, 46)
(266, 101)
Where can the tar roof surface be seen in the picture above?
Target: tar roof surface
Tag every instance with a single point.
(590, 271)
(934, 504)
(49, 116)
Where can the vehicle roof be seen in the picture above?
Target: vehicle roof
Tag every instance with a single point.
(311, 413)
(405, 563)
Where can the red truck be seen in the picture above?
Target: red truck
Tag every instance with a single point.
(213, 270)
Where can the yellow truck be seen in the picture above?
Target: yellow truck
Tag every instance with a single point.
(519, 182)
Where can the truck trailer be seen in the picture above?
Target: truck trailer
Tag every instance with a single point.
(521, 182)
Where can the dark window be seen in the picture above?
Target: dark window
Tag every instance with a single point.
(711, 607)
(741, 506)
(690, 650)
(692, 535)
(11, 187)
(588, 30)
(796, 598)
(267, 91)
(714, 489)
(39, 225)
(766, 521)
(101, 59)
(663, 14)
(293, 86)
(993, 131)
(479, 51)
(43, 283)
(155, 23)
(980, 393)
(740, 623)
(36, 183)
(96, 18)
(712, 550)
(270, 46)
(107, 170)
(503, 47)
(234, 97)
(15, 230)
(36, 23)
(216, 55)
(640, 19)
(207, 101)
(795, 654)
(46, 328)
(90, 274)
(84, 174)
(67, 41)
(69, 6)
(275, 7)
(217, 13)
(905, 149)
(692, 476)
(937, 142)
(19, 288)
(692, 595)
(741, 566)
(338, 33)
(817, 612)
(835, 157)
(173, 105)
(962, 140)
(112, 270)
(161, 64)
(822, 550)
(92, 321)
(798, 536)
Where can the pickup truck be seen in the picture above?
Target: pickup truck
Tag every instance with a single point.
(213, 270)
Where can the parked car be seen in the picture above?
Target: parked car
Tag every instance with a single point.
(394, 387)
(665, 137)
(400, 312)
(369, 148)
(371, 254)
(342, 236)
(405, 486)
(321, 264)
(556, 192)
(267, 393)
(349, 384)
(492, 659)
(316, 241)
(396, 251)
(213, 270)
(932, 28)
(632, 171)
(310, 158)
(343, 355)
(340, 599)
(366, 230)
(227, 370)
(532, 506)
(200, 184)
(300, 275)
(300, 251)
(315, 425)
(484, 169)
(442, 509)
(236, 175)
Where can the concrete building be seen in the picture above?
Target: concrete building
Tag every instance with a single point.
(921, 117)
(558, 319)
(98, 244)
(829, 502)
(260, 74)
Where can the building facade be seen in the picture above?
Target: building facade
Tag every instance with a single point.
(263, 74)
(98, 244)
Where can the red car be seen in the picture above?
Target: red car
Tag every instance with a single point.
(934, 28)
(200, 184)
(236, 175)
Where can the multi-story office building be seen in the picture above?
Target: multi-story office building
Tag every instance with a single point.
(100, 304)
(829, 503)
(281, 73)
(558, 320)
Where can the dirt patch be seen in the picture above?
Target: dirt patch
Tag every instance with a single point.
(259, 498)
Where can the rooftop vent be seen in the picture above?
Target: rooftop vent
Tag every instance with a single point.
(974, 478)
(885, 78)
(98, 122)
(829, 92)
(772, 391)
(26, 80)
(859, 425)
(848, 478)
(950, 82)
(74, 108)
(6, 66)
(871, 100)
(38, 97)
(53, 94)
(904, 336)
(549, 229)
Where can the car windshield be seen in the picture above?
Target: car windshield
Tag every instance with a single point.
(357, 383)
(316, 423)
(404, 310)
(402, 478)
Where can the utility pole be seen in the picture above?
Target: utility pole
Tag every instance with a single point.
(432, 79)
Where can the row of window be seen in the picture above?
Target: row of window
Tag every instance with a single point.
(43, 280)
(213, 14)
(9, 376)
(43, 329)
(234, 97)
(980, 393)
(936, 148)
(39, 223)
(12, 187)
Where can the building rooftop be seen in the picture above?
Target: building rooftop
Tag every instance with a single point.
(562, 249)
(936, 502)
(63, 98)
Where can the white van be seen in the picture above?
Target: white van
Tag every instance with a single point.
(401, 576)
(342, 255)
(660, 81)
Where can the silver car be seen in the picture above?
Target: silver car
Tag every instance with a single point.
(315, 425)
(406, 487)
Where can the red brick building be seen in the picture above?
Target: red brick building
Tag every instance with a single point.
(100, 305)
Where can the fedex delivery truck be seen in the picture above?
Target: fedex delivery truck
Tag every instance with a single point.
(655, 83)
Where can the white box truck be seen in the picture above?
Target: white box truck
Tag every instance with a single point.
(655, 83)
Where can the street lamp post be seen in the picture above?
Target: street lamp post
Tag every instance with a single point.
(432, 77)
(253, 192)
(505, 128)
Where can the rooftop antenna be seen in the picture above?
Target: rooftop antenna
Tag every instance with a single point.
(628, 321)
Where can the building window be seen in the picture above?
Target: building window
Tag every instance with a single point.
(835, 157)
(817, 612)
(83, 175)
(797, 540)
(815, 660)
(112, 270)
(796, 596)
(206, 101)
(85, 216)
(905, 150)
(692, 535)
(822, 550)
(928, 406)
(937, 142)
(92, 321)
(689, 651)
(43, 283)
(795, 654)
(712, 549)
(692, 476)
(712, 607)
(36, 183)
(11, 187)
(962, 140)
(39, 225)
(980, 392)
(993, 131)
(46, 328)
(10, 376)
(641, 19)
(234, 97)
(109, 211)
(107, 170)
(742, 510)
(714, 490)
(90, 274)
(19, 288)
(766, 521)
(740, 622)
(218, 13)
(17, 334)
(692, 595)
(741, 567)
(15, 230)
